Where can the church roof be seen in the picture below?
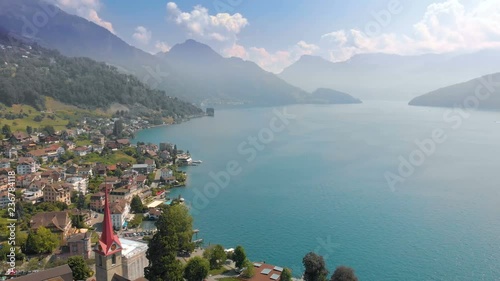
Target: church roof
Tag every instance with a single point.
(109, 243)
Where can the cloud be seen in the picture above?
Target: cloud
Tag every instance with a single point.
(142, 35)
(87, 9)
(303, 48)
(162, 47)
(236, 51)
(339, 37)
(272, 61)
(445, 27)
(199, 23)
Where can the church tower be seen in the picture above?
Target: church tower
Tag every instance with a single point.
(108, 251)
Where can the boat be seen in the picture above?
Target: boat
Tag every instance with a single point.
(184, 160)
(197, 161)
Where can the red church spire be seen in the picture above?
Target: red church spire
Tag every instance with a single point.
(109, 242)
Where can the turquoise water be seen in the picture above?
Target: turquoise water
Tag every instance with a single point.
(319, 185)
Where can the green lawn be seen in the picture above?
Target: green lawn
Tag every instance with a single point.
(218, 271)
(112, 158)
(60, 112)
(20, 124)
(83, 142)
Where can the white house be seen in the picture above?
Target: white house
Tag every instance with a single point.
(120, 211)
(26, 165)
(79, 184)
(85, 172)
(32, 196)
(167, 175)
(81, 151)
(151, 165)
(141, 168)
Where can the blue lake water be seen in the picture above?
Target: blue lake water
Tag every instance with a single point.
(318, 184)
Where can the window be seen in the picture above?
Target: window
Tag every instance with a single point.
(113, 259)
(100, 260)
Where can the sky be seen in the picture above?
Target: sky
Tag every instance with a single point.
(276, 33)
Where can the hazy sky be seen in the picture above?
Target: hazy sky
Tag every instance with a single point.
(275, 33)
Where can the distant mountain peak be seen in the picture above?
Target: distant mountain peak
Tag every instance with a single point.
(191, 45)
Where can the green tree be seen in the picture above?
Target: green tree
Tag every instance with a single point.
(286, 275)
(73, 196)
(239, 256)
(249, 269)
(136, 221)
(136, 205)
(80, 202)
(151, 178)
(215, 255)
(315, 268)
(77, 221)
(118, 128)
(163, 264)
(79, 267)
(68, 155)
(94, 183)
(174, 234)
(33, 264)
(41, 241)
(118, 172)
(21, 238)
(6, 130)
(29, 130)
(49, 129)
(4, 251)
(344, 273)
(196, 269)
(71, 124)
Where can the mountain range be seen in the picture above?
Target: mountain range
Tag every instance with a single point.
(191, 70)
(386, 76)
(196, 73)
(208, 77)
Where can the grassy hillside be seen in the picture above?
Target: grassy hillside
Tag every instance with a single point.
(29, 74)
(58, 115)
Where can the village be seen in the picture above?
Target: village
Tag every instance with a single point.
(80, 187)
(61, 180)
